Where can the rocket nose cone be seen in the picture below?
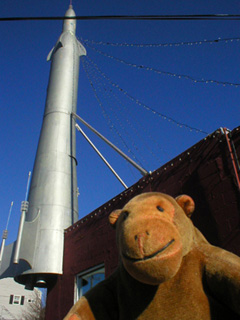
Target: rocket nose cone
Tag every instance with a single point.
(70, 12)
(69, 24)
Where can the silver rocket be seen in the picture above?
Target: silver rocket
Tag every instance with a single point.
(52, 203)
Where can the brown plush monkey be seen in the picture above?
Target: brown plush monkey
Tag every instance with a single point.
(168, 270)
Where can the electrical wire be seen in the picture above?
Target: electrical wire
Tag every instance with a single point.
(132, 17)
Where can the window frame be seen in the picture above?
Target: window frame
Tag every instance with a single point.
(88, 272)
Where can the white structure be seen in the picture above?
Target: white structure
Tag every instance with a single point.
(16, 302)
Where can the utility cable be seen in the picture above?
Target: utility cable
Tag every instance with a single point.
(133, 17)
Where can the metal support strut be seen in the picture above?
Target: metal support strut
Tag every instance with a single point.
(100, 155)
(142, 171)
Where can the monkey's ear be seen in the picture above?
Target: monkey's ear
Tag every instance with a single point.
(186, 203)
(113, 217)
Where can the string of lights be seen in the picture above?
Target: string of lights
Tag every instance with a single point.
(156, 45)
(125, 112)
(110, 124)
(161, 72)
(143, 105)
(102, 90)
(142, 130)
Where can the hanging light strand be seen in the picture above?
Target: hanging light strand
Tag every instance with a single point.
(170, 74)
(102, 90)
(109, 122)
(162, 45)
(122, 109)
(143, 105)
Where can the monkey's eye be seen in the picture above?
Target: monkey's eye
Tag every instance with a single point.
(125, 214)
(160, 208)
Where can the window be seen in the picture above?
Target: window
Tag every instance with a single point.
(16, 299)
(88, 279)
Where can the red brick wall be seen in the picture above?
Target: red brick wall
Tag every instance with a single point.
(204, 172)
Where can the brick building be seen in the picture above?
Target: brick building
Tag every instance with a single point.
(208, 172)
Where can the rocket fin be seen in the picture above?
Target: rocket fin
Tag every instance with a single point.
(29, 237)
(54, 49)
(26, 257)
(49, 57)
(8, 269)
(81, 50)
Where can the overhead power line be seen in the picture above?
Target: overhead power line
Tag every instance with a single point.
(133, 17)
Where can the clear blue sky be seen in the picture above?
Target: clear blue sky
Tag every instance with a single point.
(153, 140)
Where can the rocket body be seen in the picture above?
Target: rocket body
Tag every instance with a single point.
(53, 204)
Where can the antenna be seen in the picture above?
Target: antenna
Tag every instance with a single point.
(9, 214)
(24, 210)
(5, 233)
(28, 183)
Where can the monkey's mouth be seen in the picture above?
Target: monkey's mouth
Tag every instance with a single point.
(151, 255)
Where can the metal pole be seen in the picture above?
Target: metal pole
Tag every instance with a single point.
(28, 183)
(4, 237)
(142, 171)
(9, 215)
(24, 210)
(5, 233)
(101, 156)
(232, 158)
